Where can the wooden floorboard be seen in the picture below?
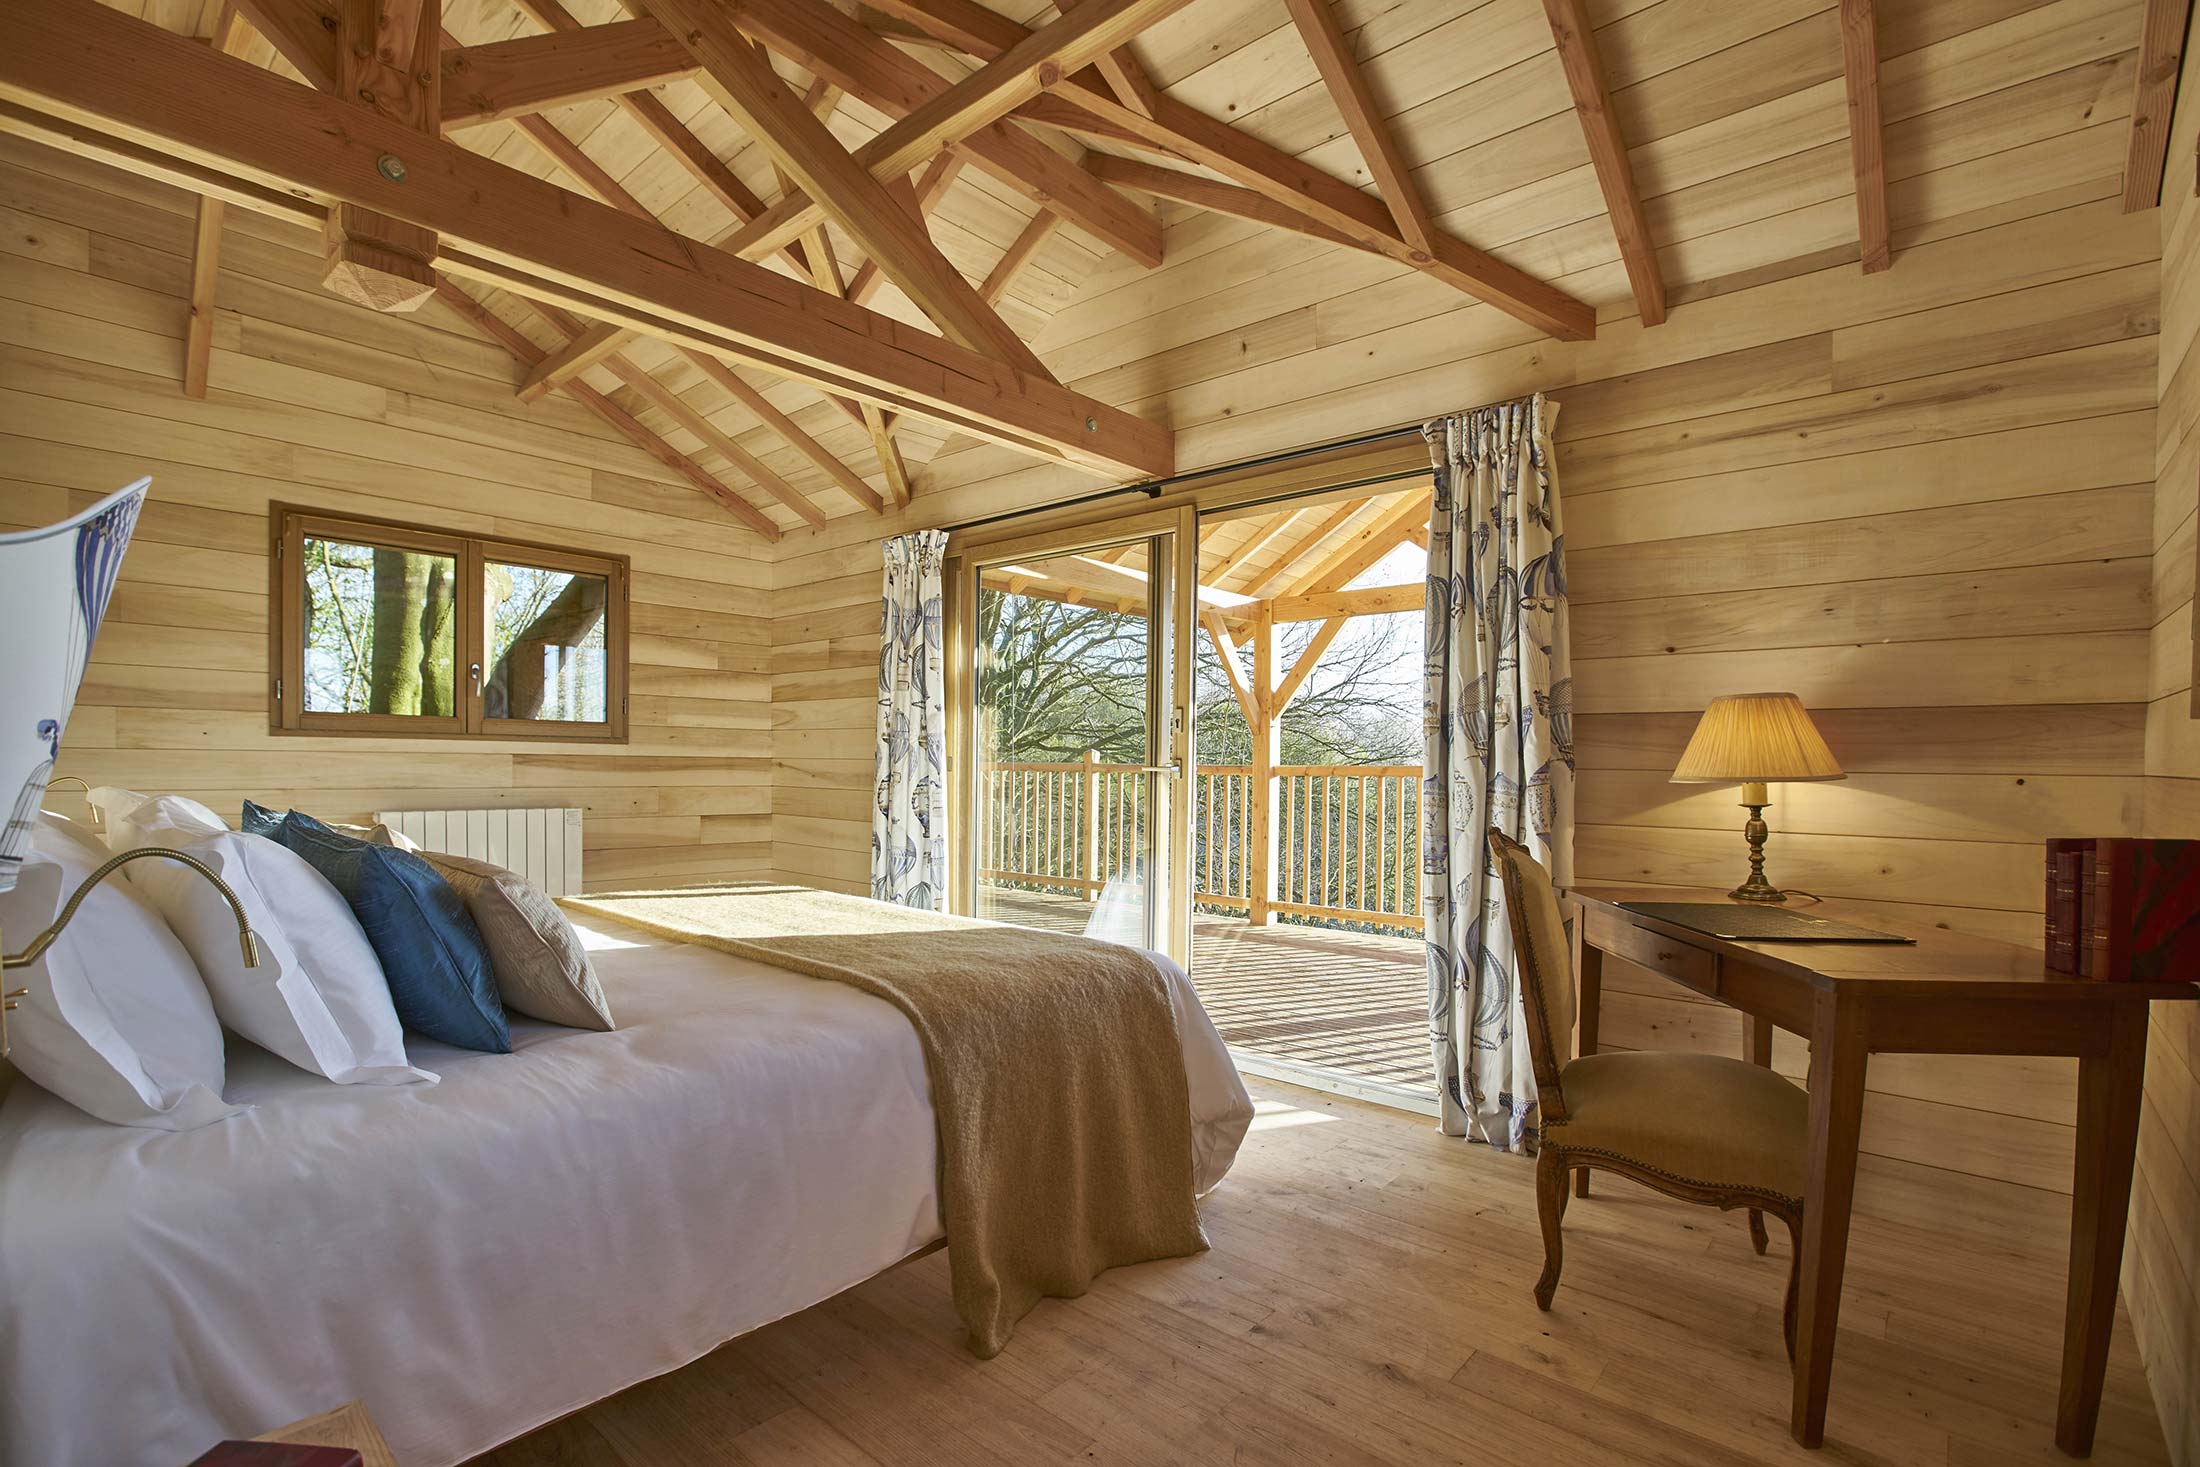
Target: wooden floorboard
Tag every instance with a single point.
(1352, 1003)
(1366, 1302)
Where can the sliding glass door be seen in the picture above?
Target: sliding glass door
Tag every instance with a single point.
(1071, 731)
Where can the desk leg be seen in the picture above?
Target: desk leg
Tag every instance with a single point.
(1838, 1055)
(2109, 1090)
(1591, 993)
(1757, 1049)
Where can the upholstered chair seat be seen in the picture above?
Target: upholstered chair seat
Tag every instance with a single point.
(1714, 1123)
(1699, 1127)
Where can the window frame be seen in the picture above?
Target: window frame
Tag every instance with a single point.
(290, 525)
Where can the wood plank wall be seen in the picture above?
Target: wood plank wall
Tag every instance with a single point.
(318, 402)
(2162, 1266)
(1922, 500)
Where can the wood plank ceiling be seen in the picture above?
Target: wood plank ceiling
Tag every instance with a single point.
(1321, 173)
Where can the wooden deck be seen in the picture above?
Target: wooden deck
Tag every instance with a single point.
(1346, 1002)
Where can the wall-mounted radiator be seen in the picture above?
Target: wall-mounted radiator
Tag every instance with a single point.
(542, 845)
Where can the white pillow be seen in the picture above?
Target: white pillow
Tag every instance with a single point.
(117, 1022)
(318, 998)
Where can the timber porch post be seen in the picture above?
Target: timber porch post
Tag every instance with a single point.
(1267, 735)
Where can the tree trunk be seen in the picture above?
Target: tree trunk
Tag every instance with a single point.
(400, 592)
(517, 687)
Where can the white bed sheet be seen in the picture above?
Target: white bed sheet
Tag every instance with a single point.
(478, 1257)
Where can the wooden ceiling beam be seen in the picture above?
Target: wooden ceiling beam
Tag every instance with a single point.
(1218, 198)
(2153, 100)
(1867, 139)
(1367, 601)
(649, 113)
(586, 350)
(893, 471)
(1391, 527)
(931, 188)
(389, 57)
(1332, 52)
(1313, 539)
(133, 94)
(1187, 133)
(1577, 54)
(1038, 60)
(688, 416)
(502, 79)
(231, 32)
(864, 64)
(528, 354)
(303, 33)
(1019, 253)
(847, 480)
(799, 143)
(1223, 566)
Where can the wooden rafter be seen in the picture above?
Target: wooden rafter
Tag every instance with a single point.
(303, 33)
(688, 416)
(864, 64)
(1219, 570)
(1577, 53)
(1037, 60)
(1265, 585)
(570, 360)
(527, 353)
(1867, 140)
(1020, 251)
(2154, 98)
(1389, 528)
(99, 82)
(843, 185)
(931, 187)
(504, 79)
(1185, 132)
(1215, 197)
(230, 34)
(892, 469)
(1332, 52)
(651, 114)
(389, 57)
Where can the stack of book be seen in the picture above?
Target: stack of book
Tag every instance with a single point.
(2124, 910)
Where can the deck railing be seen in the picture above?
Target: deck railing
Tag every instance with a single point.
(1347, 836)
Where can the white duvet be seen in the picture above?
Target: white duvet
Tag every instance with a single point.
(475, 1258)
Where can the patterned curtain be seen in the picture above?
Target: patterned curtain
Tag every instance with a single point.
(909, 804)
(1497, 710)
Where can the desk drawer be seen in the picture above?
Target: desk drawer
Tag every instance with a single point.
(1669, 957)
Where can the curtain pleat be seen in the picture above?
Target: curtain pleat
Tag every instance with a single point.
(1497, 712)
(909, 804)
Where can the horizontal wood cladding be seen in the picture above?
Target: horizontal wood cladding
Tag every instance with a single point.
(2162, 1259)
(318, 402)
(1924, 501)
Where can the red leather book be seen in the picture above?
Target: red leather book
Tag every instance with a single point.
(277, 1454)
(2137, 910)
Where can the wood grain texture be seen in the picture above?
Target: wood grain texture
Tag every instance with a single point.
(2161, 1276)
(319, 402)
(1367, 1303)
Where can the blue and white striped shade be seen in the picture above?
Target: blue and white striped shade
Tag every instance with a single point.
(54, 587)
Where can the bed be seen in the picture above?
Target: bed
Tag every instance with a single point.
(539, 1230)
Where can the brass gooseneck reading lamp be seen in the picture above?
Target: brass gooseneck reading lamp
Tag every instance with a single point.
(38, 945)
(1750, 739)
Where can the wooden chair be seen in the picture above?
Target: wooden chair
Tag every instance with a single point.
(1700, 1127)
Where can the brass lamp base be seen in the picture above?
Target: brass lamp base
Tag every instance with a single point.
(1756, 889)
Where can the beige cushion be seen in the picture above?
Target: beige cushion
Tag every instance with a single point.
(1716, 1122)
(541, 968)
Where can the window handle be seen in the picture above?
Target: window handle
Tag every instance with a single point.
(474, 670)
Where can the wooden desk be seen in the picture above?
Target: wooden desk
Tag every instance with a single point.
(1947, 994)
(348, 1425)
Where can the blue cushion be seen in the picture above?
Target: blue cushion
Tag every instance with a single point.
(431, 951)
(259, 820)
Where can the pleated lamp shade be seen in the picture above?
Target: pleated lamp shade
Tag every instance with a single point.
(1756, 737)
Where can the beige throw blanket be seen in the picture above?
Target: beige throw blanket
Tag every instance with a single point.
(1057, 1077)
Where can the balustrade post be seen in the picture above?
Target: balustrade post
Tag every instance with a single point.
(1267, 732)
(1088, 816)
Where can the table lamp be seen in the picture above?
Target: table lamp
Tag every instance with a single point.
(1749, 739)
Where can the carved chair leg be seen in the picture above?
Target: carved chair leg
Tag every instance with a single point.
(1757, 1238)
(1550, 1205)
(1795, 1274)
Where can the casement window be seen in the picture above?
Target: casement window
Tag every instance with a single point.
(397, 631)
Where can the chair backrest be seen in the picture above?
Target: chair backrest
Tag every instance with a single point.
(1546, 965)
